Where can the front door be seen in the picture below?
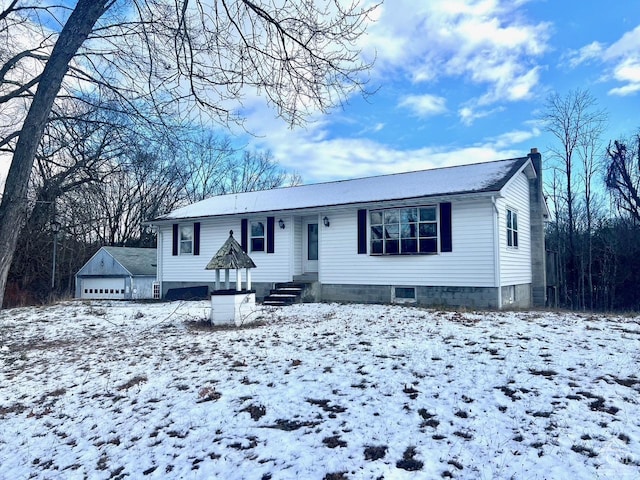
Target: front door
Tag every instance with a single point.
(310, 245)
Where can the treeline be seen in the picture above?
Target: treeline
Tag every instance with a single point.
(592, 191)
(98, 177)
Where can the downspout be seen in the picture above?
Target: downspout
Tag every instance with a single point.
(159, 249)
(496, 250)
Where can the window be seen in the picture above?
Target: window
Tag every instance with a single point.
(186, 240)
(509, 294)
(257, 236)
(403, 231)
(403, 294)
(512, 228)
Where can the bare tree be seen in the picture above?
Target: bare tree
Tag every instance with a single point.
(206, 161)
(257, 171)
(576, 123)
(623, 176)
(204, 55)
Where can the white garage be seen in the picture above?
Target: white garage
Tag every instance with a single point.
(118, 273)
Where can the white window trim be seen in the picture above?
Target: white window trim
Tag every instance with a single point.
(263, 221)
(384, 254)
(510, 230)
(181, 241)
(395, 299)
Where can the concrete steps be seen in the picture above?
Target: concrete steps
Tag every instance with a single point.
(284, 294)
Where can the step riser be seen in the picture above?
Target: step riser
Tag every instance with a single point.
(284, 294)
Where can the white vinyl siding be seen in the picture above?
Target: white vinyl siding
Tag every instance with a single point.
(515, 263)
(271, 267)
(296, 225)
(471, 263)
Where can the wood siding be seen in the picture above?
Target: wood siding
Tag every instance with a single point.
(515, 263)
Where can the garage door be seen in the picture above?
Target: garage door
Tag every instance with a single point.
(102, 288)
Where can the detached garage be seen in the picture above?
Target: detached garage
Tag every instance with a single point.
(118, 273)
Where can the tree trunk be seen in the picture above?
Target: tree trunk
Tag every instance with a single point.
(14, 201)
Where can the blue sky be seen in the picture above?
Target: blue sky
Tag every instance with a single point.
(462, 81)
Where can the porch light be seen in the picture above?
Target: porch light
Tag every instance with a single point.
(325, 220)
(281, 223)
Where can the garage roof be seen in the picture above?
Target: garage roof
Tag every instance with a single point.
(137, 261)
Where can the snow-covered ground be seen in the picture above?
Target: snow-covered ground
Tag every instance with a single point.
(317, 391)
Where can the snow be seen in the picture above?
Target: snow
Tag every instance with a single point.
(476, 177)
(123, 390)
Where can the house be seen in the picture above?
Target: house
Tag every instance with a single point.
(469, 235)
(120, 273)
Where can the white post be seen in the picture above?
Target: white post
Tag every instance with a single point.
(238, 279)
(226, 279)
(217, 279)
(248, 270)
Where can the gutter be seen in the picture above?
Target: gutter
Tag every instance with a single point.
(318, 209)
(496, 249)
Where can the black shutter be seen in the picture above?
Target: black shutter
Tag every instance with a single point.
(446, 238)
(362, 231)
(196, 238)
(271, 221)
(174, 250)
(244, 235)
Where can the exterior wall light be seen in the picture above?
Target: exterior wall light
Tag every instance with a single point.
(281, 223)
(325, 220)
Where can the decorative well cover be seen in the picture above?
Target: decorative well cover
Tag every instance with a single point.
(230, 256)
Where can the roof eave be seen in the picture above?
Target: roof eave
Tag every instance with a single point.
(435, 198)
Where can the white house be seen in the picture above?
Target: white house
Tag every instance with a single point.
(470, 235)
(119, 273)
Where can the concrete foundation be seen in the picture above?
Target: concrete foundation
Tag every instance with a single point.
(427, 296)
(471, 297)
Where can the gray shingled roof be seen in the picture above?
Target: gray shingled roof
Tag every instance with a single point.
(230, 256)
(138, 261)
(475, 178)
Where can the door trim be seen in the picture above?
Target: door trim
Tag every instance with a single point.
(309, 266)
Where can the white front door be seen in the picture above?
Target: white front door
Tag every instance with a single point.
(310, 245)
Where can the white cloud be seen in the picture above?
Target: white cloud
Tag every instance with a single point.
(5, 163)
(627, 71)
(321, 157)
(585, 54)
(514, 137)
(470, 114)
(484, 42)
(622, 59)
(424, 105)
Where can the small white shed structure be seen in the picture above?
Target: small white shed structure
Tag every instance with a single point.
(118, 273)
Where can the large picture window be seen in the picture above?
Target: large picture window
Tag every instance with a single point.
(512, 228)
(257, 236)
(404, 231)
